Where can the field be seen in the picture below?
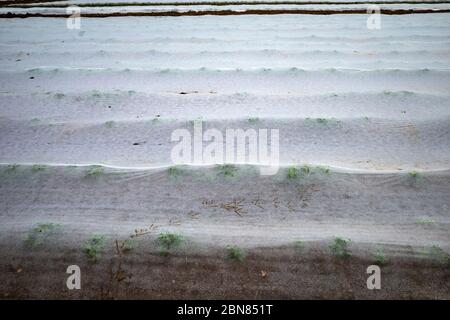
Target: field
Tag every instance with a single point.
(87, 175)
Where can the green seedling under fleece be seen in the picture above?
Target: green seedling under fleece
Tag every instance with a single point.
(175, 171)
(95, 171)
(292, 173)
(235, 253)
(380, 257)
(94, 246)
(227, 170)
(340, 247)
(40, 233)
(12, 168)
(437, 254)
(169, 241)
(37, 167)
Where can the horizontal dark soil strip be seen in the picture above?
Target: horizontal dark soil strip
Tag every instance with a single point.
(209, 3)
(217, 13)
(267, 273)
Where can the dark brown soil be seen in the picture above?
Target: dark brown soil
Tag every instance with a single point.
(269, 273)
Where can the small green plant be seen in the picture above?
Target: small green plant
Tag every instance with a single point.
(95, 171)
(35, 120)
(437, 254)
(380, 256)
(253, 120)
(40, 233)
(322, 121)
(93, 247)
(175, 171)
(323, 169)
(305, 169)
(292, 173)
(12, 168)
(169, 241)
(415, 177)
(300, 245)
(96, 94)
(227, 170)
(413, 174)
(235, 253)
(426, 221)
(109, 124)
(37, 167)
(340, 247)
